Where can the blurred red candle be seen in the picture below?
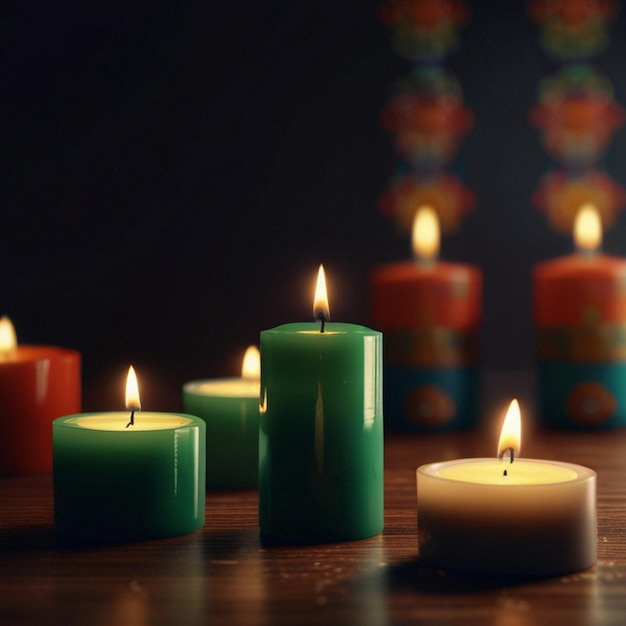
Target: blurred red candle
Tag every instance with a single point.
(429, 312)
(584, 286)
(580, 320)
(37, 385)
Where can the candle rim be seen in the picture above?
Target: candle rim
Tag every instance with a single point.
(72, 421)
(313, 329)
(582, 472)
(194, 387)
(575, 262)
(461, 272)
(31, 353)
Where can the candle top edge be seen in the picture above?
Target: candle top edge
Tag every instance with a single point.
(567, 473)
(415, 267)
(224, 387)
(29, 353)
(577, 261)
(116, 421)
(332, 329)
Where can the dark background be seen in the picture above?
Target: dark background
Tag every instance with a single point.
(174, 172)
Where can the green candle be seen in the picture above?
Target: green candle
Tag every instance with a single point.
(121, 477)
(230, 408)
(321, 432)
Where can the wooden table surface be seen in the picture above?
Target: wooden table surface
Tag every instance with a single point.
(222, 575)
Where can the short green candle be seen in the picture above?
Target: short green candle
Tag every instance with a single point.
(115, 483)
(230, 408)
(321, 433)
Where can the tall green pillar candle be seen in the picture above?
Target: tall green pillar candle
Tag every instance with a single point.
(113, 483)
(321, 433)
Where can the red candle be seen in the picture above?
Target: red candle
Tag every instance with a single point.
(37, 385)
(429, 312)
(580, 319)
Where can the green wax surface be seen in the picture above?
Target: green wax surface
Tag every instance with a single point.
(230, 408)
(129, 484)
(321, 433)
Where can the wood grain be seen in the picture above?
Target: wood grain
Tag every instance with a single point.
(223, 575)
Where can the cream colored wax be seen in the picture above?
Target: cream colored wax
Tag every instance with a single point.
(119, 421)
(225, 387)
(538, 519)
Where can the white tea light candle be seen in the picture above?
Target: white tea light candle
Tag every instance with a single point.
(511, 516)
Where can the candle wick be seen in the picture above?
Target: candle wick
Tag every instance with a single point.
(505, 473)
(132, 419)
(511, 452)
(322, 316)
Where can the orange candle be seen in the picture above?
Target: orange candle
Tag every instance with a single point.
(429, 312)
(37, 385)
(580, 319)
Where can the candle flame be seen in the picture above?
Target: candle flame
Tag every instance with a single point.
(251, 365)
(132, 391)
(511, 433)
(321, 310)
(8, 338)
(587, 228)
(426, 235)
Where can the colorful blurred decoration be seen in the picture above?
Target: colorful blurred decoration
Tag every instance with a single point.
(430, 405)
(576, 113)
(573, 29)
(424, 30)
(427, 119)
(448, 196)
(591, 404)
(560, 197)
(429, 310)
(426, 114)
(578, 308)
